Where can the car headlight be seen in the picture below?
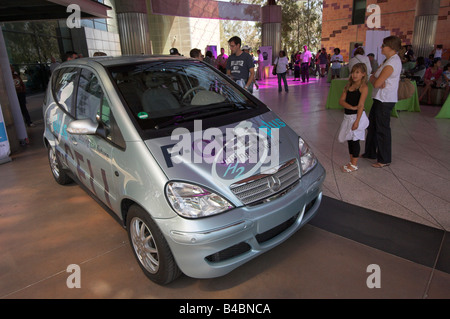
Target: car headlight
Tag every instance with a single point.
(193, 201)
(307, 158)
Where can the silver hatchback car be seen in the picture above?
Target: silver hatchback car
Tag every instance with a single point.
(203, 175)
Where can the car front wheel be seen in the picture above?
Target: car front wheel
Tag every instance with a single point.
(150, 247)
(58, 172)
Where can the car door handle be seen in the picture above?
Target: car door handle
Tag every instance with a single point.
(74, 140)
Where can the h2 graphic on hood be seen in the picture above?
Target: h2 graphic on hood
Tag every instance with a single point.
(233, 153)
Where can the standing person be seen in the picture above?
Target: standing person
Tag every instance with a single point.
(222, 61)
(54, 64)
(174, 51)
(317, 61)
(210, 58)
(353, 127)
(259, 74)
(438, 51)
(385, 87)
(240, 65)
(247, 49)
(282, 65)
(373, 62)
(359, 57)
(336, 61)
(21, 95)
(196, 54)
(297, 61)
(70, 55)
(306, 61)
(323, 60)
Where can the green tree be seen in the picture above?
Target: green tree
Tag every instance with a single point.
(301, 24)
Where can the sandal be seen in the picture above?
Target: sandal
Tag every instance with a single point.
(380, 165)
(346, 168)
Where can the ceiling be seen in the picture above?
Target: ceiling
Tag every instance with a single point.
(27, 10)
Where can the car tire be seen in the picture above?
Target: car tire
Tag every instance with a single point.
(60, 175)
(150, 247)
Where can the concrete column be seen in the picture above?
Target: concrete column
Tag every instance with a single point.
(271, 27)
(15, 125)
(132, 21)
(425, 26)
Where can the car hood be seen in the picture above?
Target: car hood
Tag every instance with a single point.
(219, 157)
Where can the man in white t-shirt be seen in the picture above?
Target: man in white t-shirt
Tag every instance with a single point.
(305, 58)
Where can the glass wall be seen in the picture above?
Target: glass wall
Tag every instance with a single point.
(32, 46)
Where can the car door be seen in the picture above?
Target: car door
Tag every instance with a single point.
(62, 112)
(94, 153)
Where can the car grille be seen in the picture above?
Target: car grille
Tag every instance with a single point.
(263, 186)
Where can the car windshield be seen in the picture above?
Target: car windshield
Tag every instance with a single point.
(165, 94)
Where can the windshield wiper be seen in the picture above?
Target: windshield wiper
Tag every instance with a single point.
(203, 112)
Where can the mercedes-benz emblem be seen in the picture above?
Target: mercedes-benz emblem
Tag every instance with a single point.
(274, 183)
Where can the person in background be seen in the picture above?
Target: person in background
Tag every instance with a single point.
(99, 53)
(222, 61)
(385, 83)
(408, 64)
(336, 61)
(438, 52)
(70, 55)
(409, 52)
(317, 62)
(417, 73)
(174, 51)
(54, 64)
(209, 58)
(259, 73)
(297, 56)
(240, 65)
(431, 78)
(306, 59)
(282, 65)
(247, 49)
(323, 61)
(196, 54)
(356, 46)
(21, 95)
(359, 57)
(355, 122)
(373, 62)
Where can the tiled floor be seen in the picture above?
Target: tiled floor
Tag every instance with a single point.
(396, 217)
(414, 187)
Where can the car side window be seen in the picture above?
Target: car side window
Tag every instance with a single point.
(64, 89)
(92, 104)
(109, 124)
(89, 96)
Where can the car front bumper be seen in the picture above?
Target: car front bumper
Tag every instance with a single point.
(214, 246)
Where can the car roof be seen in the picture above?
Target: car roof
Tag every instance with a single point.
(108, 61)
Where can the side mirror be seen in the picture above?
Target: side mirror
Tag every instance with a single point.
(82, 127)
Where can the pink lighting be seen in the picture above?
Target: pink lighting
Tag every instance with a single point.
(271, 82)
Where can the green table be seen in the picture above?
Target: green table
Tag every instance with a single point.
(343, 73)
(337, 87)
(444, 113)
